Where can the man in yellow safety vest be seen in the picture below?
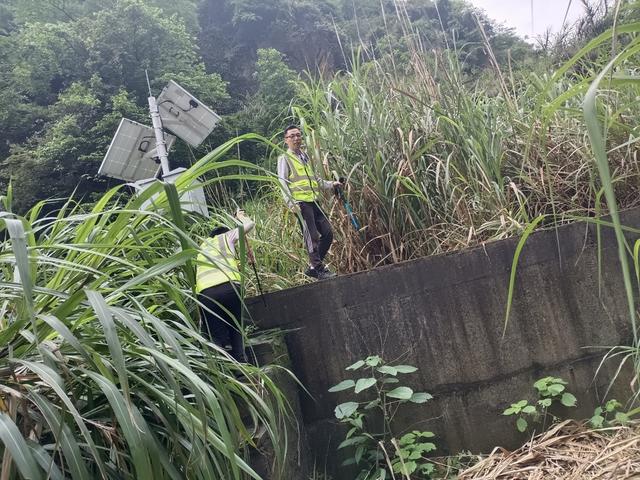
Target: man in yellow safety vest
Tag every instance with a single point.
(301, 189)
(218, 286)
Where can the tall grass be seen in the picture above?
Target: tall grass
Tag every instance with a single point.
(103, 370)
(104, 373)
(438, 161)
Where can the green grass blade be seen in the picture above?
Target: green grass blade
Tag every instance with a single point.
(514, 265)
(598, 145)
(134, 432)
(64, 436)
(20, 451)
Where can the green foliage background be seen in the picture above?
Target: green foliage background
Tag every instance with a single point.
(70, 69)
(451, 132)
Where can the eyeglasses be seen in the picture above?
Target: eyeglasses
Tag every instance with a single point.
(294, 135)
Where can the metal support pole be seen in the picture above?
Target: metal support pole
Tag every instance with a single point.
(161, 146)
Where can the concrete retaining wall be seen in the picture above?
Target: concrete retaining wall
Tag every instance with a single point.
(446, 315)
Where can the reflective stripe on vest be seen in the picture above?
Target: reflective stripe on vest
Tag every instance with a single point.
(216, 264)
(302, 181)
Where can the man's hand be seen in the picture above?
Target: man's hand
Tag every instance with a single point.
(240, 213)
(295, 208)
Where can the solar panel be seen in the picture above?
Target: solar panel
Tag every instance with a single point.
(192, 200)
(131, 153)
(185, 115)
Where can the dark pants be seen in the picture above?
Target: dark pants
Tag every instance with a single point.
(221, 324)
(316, 231)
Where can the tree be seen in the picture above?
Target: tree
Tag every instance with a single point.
(234, 30)
(74, 80)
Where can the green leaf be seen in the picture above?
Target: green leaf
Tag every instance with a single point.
(372, 404)
(46, 462)
(406, 468)
(345, 410)
(131, 422)
(598, 145)
(612, 405)
(53, 380)
(352, 441)
(343, 385)
(622, 417)
(568, 400)
(105, 315)
(408, 438)
(373, 361)
(402, 393)
(161, 267)
(64, 436)
(19, 243)
(529, 409)
(521, 424)
(597, 421)
(357, 421)
(178, 217)
(66, 334)
(415, 455)
(556, 389)
(545, 402)
(359, 452)
(356, 365)
(388, 370)
(514, 265)
(17, 446)
(427, 468)
(405, 368)
(543, 384)
(510, 411)
(420, 397)
(364, 383)
(427, 447)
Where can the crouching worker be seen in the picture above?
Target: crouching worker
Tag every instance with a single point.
(218, 286)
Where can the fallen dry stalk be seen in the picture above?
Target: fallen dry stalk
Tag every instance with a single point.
(568, 451)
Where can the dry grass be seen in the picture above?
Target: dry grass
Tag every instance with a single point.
(568, 451)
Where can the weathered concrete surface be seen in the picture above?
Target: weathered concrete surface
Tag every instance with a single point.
(299, 459)
(446, 315)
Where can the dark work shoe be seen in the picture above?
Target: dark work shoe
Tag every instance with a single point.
(311, 272)
(325, 273)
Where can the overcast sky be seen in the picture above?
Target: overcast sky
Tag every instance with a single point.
(518, 14)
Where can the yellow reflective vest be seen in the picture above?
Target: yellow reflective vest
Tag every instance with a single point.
(302, 180)
(217, 263)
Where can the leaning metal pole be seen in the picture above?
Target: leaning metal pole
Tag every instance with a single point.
(161, 146)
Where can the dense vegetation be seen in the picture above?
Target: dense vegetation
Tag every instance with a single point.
(71, 69)
(450, 130)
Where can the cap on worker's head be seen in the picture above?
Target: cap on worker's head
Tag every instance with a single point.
(219, 230)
